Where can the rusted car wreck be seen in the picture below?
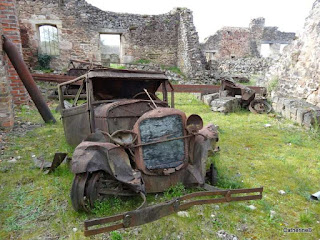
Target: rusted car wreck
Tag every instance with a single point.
(132, 141)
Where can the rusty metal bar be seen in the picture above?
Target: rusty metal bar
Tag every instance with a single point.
(210, 88)
(177, 88)
(25, 76)
(155, 212)
(51, 77)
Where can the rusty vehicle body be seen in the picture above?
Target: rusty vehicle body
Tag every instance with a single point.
(131, 141)
(248, 96)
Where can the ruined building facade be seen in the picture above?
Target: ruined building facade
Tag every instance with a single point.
(65, 30)
(297, 73)
(166, 39)
(255, 41)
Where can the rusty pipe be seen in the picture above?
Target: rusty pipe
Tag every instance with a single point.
(27, 80)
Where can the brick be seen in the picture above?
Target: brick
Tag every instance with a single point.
(7, 124)
(6, 4)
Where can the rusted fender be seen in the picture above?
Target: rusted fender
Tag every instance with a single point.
(113, 159)
(204, 142)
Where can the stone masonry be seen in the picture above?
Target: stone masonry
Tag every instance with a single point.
(297, 110)
(239, 42)
(10, 27)
(296, 73)
(167, 39)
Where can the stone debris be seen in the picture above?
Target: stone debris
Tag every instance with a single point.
(252, 207)
(183, 214)
(207, 99)
(243, 228)
(272, 214)
(222, 234)
(225, 104)
(12, 160)
(297, 110)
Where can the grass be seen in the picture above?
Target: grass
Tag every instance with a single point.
(281, 157)
(117, 66)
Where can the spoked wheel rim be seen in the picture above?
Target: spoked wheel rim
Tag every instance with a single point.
(87, 188)
(260, 106)
(93, 187)
(78, 199)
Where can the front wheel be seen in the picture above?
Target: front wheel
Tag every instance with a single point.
(212, 175)
(87, 188)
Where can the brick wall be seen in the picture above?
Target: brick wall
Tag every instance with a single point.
(10, 27)
(6, 106)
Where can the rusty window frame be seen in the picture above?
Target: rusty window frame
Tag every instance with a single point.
(73, 81)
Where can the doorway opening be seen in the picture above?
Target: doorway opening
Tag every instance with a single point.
(110, 48)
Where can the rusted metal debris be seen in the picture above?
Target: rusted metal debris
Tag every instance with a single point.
(315, 196)
(248, 96)
(131, 141)
(49, 167)
(260, 106)
(25, 76)
(155, 212)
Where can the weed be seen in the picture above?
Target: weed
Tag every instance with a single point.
(295, 139)
(306, 217)
(44, 61)
(174, 69)
(117, 66)
(175, 191)
(225, 181)
(142, 61)
(31, 203)
(113, 204)
(273, 84)
(115, 235)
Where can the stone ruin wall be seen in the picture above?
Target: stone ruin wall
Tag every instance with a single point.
(167, 39)
(159, 38)
(229, 42)
(236, 42)
(297, 72)
(243, 66)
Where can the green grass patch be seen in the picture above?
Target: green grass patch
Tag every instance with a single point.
(281, 157)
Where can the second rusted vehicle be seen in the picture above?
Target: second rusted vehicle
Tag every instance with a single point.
(131, 141)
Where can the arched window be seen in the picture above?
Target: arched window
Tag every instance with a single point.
(49, 43)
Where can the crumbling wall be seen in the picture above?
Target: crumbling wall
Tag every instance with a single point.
(235, 42)
(297, 73)
(191, 61)
(80, 24)
(248, 66)
(150, 37)
(229, 42)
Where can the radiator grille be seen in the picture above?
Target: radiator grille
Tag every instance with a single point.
(165, 154)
